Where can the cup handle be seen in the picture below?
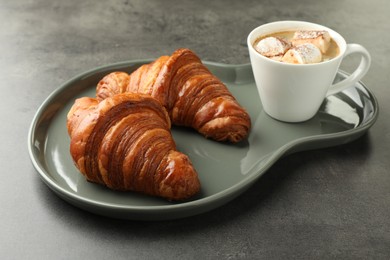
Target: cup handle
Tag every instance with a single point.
(360, 71)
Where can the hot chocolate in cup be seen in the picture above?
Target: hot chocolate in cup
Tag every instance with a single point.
(294, 92)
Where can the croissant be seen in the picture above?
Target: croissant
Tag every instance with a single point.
(192, 95)
(125, 143)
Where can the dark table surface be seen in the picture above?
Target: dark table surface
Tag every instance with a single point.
(325, 203)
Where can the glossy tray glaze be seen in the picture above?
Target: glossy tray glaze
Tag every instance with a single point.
(225, 170)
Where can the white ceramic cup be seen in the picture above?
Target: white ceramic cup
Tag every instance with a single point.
(294, 92)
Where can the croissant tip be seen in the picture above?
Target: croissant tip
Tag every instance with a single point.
(180, 178)
(231, 138)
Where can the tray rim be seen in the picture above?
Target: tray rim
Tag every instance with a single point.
(134, 211)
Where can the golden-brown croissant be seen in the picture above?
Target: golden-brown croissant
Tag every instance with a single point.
(125, 143)
(193, 96)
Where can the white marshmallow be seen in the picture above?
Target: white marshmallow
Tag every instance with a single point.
(272, 47)
(303, 54)
(321, 39)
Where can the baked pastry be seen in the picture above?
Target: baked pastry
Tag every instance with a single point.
(192, 95)
(124, 142)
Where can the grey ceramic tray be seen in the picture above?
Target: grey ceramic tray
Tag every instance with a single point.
(225, 170)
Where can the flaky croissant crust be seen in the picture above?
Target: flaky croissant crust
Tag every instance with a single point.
(124, 142)
(193, 96)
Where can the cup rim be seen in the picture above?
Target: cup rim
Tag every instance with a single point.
(293, 25)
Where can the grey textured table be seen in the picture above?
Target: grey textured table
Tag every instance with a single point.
(321, 204)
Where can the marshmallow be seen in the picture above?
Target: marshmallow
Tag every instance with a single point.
(303, 54)
(321, 39)
(272, 47)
